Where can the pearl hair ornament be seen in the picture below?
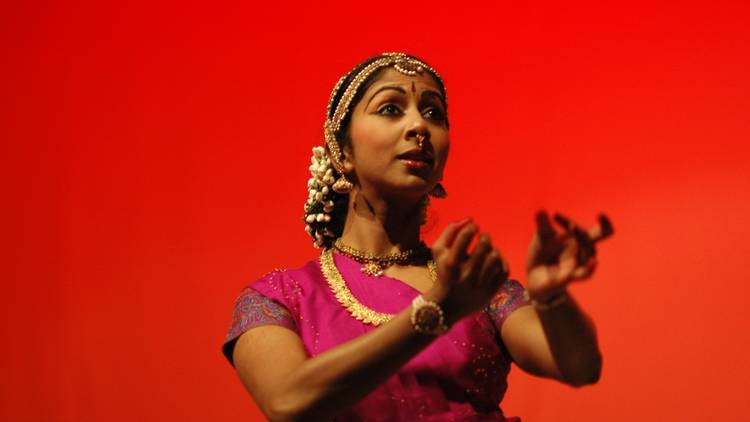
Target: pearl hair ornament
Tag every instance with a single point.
(319, 205)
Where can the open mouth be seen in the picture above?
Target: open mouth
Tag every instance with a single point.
(416, 158)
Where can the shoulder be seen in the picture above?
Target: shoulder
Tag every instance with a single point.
(270, 281)
(278, 288)
(272, 299)
(282, 284)
(287, 281)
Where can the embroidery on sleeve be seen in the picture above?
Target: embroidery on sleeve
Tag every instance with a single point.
(252, 309)
(510, 297)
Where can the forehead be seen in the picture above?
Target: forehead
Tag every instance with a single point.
(391, 76)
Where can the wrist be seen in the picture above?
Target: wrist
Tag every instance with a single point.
(427, 317)
(436, 294)
(549, 301)
(441, 297)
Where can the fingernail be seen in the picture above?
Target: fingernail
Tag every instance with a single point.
(463, 222)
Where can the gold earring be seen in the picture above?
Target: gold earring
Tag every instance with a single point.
(342, 185)
(438, 192)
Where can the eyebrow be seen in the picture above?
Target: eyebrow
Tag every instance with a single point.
(383, 88)
(434, 94)
(428, 93)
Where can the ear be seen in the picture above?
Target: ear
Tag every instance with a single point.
(348, 160)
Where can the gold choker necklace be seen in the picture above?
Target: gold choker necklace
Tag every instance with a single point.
(345, 297)
(375, 264)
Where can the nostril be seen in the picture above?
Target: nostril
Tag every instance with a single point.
(415, 134)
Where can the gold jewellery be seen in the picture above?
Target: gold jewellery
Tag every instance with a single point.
(427, 317)
(420, 140)
(345, 297)
(375, 264)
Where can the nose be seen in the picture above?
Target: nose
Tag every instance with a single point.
(418, 131)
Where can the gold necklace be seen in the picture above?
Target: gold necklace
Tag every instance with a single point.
(345, 297)
(375, 264)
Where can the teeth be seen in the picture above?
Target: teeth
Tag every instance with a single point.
(414, 157)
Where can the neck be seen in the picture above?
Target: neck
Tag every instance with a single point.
(380, 226)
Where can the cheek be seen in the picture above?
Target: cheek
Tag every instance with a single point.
(442, 147)
(369, 138)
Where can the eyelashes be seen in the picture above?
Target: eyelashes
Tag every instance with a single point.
(389, 110)
(393, 110)
(435, 114)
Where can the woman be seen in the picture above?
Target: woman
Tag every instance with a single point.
(381, 327)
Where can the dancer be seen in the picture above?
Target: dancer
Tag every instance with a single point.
(381, 327)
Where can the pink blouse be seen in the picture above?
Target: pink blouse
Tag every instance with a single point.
(461, 376)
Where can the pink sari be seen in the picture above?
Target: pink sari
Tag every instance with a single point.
(461, 376)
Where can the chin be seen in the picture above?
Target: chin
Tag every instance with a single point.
(411, 192)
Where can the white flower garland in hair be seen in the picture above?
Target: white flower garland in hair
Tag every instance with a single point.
(319, 204)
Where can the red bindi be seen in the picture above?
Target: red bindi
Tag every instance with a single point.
(413, 88)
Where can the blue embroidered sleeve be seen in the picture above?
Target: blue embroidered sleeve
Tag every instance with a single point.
(253, 309)
(510, 297)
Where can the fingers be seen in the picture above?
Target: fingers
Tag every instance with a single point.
(494, 270)
(546, 246)
(571, 227)
(544, 227)
(450, 250)
(448, 236)
(485, 268)
(490, 265)
(568, 261)
(585, 271)
(570, 266)
(603, 230)
(461, 242)
(563, 221)
(586, 242)
(473, 265)
(571, 255)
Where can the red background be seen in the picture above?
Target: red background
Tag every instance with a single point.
(155, 159)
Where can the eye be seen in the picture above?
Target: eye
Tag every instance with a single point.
(389, 110)
(434, 113)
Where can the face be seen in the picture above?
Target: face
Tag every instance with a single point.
(385, 130)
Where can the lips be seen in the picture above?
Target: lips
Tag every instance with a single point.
(416, 156)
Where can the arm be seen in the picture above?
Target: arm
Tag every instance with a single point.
(287, 385)
(557, 341)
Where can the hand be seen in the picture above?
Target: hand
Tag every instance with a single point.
(466, 282)
(557, 259)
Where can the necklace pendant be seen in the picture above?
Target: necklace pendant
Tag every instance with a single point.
(373, 269)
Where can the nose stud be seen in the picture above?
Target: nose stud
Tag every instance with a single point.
(420, 140)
